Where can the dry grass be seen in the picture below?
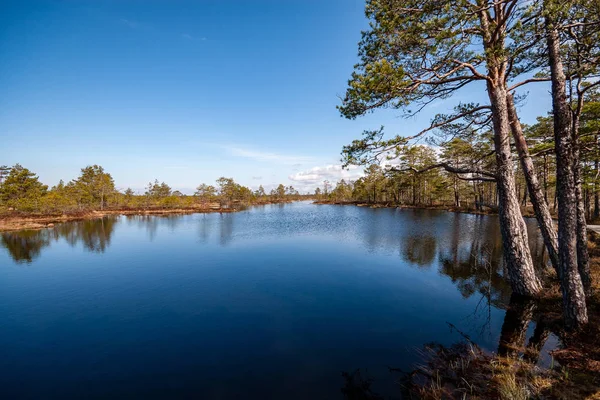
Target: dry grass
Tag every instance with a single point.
(17, 221)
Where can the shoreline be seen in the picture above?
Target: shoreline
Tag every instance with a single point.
(17, 222)
(409, 207)
(526, 212)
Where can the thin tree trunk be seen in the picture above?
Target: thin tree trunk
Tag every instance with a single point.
(514, 231)
(456, 194)
(583, 257)
(414, 191)
(596, 191)
(546, 179)
(538, 200)
(574, 304)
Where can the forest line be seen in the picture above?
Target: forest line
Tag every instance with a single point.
(22, 193)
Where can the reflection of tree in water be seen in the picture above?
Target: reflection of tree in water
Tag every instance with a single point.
(226, 228)
(419, 249)
(415, 237)
(472, 260)
(93, 234)
(204, 228)
(470, 254)
(148, 222)
(514, 328)
(24, 246)
(171, 221)
(464, 367)
(519, 314)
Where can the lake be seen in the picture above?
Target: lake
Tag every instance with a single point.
(272, 302)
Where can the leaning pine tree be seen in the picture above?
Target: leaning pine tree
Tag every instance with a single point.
(417, 51)
(574, 264)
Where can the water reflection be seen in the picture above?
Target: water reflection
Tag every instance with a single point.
(514, 329)
(226, 226)
(520, 314)
(271, 292)
(24, 246)
(451, 371)
(466, 248)
(94, 235)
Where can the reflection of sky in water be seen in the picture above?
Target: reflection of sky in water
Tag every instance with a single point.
(276, 300)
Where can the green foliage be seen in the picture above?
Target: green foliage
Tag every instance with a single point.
(92, 187)
(280, 191)
(21, 189)
(260, 192)
(157, 190)
(206, 193)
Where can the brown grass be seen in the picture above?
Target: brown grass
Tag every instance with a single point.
(12, 221)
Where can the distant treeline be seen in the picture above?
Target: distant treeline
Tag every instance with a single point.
(416, 179)
(94, 189)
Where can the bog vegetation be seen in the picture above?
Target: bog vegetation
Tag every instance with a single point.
(94, 189)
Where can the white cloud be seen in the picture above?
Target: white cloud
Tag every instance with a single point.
(314, 177)
(267, 156)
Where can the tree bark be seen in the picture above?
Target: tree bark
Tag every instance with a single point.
(583, 257)
(546, 178)
(596, 192)
(574, 304)
(536, 194)
(456, 193)
(517, 254)
(514, 231)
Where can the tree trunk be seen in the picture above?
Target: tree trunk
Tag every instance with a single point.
(514, 231)
(583, 257)
(414, 191)
(546, 178)
(538, 200)
(456, 193)
(596, 192)
(574, 305)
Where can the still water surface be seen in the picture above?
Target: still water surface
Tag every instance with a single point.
(272, 302)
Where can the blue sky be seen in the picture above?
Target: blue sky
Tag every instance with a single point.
(188, 91)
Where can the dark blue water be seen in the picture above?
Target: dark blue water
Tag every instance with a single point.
(273, 302)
